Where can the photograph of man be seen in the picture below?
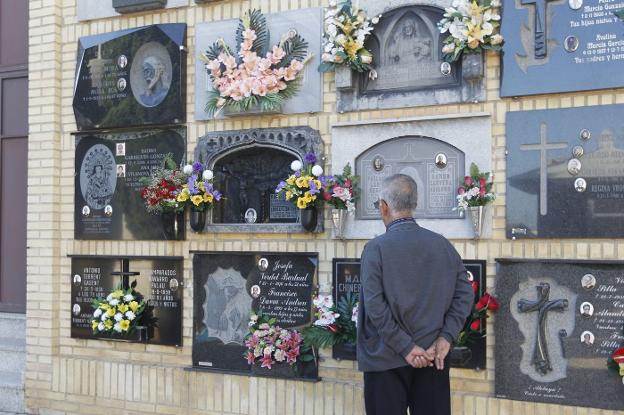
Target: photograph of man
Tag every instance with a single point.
(77, 279)
(86, 211)
(587, 338)
(587, 309)
(255, 291)
(120, 149)
(121, 170)
(588, 281)
(108, 210)
(408, 320)
(251, 216)
(76, 310)
(263, 264)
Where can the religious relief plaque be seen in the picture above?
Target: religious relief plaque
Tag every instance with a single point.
(131, 77)
(564, 173)
(436, 167)
(559, 321)
(346, 281)
(556, 46)
(159, 280)
(229, 286)
(109, 167)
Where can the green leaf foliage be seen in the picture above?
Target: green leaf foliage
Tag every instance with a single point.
(254, 20)
(295, 47)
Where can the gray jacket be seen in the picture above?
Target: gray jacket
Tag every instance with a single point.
(414, 289)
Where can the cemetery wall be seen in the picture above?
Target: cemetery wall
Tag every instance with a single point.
(68, 375)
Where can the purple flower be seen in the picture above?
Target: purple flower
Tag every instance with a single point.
(192, 185)
(325, 180)
(313, 189)
(217, 195)
(309, 158)
(208, 186)
(298, 173)
(198, 167)
(280, 186)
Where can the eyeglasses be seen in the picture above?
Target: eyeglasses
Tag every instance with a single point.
(376, 204)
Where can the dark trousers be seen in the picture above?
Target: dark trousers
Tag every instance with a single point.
(424, 391)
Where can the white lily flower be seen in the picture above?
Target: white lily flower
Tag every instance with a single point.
(118, 317)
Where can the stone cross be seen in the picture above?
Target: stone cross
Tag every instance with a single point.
(543, 147)
(542, 305)
(539, 26)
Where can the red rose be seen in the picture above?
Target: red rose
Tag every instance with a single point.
(482, 182)
(475, 325)
(493, 304)
(347, 183)
(482, 192)
(468, 181)
(461, 191)
(481, 304)
(475, 286)
(326, 196)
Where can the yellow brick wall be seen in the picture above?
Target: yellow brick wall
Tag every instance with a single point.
(66, 376)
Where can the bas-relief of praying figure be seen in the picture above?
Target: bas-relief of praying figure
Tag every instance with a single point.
(407, 46)
(155, 90)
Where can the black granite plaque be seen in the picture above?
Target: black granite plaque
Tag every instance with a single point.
(131, 77)
(159, 280)
(558, 323)
(346, 280)
(109, 167)
(564, 173)
(228, 286)
(436, 167)
(561, 45)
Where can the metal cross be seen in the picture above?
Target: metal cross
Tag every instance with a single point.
(542, 305)
(543, 147)
(539, 26)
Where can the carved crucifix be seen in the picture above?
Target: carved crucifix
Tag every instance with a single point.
(539, 26)
(542, 305)
(543, 147)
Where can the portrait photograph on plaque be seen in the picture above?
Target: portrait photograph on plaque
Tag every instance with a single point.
(131, 77)
(109, 168)
(144, 293)
(234, 292)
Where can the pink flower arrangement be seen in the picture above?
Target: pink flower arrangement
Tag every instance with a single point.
(269, 344)
(342, 192)
(254, 75)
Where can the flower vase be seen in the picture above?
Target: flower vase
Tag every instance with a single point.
(278, 370)
(477, 216)
(173, 225)
(339, 219)
(197, 218)
(309, 218)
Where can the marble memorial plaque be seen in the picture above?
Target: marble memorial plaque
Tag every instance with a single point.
(228, 286)
(109, 167)
(346, 280)
(556, 46)
(306, 22)
(410, 70)
(98, 9)
(559, 321)
(418, 157)
(553, 194)
(131, 77)
(159, 280)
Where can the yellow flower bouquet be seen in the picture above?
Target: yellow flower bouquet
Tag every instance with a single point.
(305, 187)
(119, 313)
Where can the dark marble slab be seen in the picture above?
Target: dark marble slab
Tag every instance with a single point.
(346, 279)
(109, 167)
(570, 365)
(542, 198)
(552, 47)
(229, 285)
(131, 77)
(132, 6)
(159, 280)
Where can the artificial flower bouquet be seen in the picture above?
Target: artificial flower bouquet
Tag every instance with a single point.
(476, 189)
(119, 313)
(346, 29)
(474, 323)
(268, 344)
(341, 191)
(472, 26)
(305, 186)
(162, 187)
(254, 75)
(198, 191)
(334, 324)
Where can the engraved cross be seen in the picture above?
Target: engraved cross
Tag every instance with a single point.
(539, 26)
(542, 305)
(543, 147)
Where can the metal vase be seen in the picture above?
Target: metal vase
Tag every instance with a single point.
(309, 218)
(173, 225)
(477, 216)
(197, 219)
(339, 219)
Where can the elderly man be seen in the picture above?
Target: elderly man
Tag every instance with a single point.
(414, 302)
